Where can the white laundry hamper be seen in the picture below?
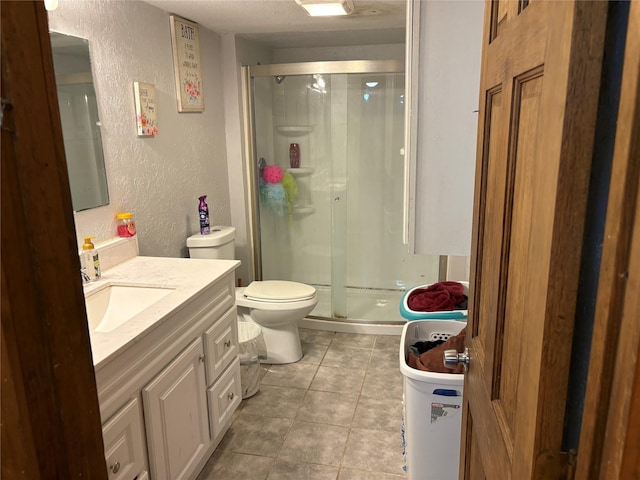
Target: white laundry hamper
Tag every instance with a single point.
(432, 419)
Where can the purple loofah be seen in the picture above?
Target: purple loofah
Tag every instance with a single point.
(272, 174)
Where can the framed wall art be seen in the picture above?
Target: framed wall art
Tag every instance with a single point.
(144, 95)
(185, 41)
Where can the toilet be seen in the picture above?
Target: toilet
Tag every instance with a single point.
(276, 305)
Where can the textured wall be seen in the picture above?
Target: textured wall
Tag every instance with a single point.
(159, 179)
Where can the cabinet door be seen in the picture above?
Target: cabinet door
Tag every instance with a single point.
(124, 443)
(175, 408)
(221, 344)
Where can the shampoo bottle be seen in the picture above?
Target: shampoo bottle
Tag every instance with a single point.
(203, 212)
(89, 261)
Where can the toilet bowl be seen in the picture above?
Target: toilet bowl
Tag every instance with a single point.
(277, 306)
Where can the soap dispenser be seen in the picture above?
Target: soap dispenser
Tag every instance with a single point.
(89, 260)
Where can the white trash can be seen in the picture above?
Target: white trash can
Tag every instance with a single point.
(432, 407)
(252, 350)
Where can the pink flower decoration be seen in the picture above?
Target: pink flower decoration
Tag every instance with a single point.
(272, 174)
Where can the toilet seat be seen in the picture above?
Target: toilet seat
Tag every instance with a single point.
(278, 291)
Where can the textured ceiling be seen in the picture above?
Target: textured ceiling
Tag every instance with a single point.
(283, 24)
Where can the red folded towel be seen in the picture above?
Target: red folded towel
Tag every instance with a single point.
(437, 297)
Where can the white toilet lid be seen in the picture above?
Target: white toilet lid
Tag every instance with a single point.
(278, 291)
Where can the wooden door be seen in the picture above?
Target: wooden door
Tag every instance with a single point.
(50, 427)
(176, 416)
(609, 445)
(539, 88)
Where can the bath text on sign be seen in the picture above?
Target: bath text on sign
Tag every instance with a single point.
(187, 32)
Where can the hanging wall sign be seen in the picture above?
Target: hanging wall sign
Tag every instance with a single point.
(144, 95)
(185, 40)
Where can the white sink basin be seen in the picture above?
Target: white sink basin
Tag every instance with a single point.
(113, 305)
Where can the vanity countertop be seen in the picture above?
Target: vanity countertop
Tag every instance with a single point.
(186, 276)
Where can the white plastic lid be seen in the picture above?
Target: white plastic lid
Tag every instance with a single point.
(218, 236)
(278, 290)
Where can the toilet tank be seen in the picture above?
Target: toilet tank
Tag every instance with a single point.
(220, 244)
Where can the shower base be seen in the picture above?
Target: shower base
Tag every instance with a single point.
(363, 306)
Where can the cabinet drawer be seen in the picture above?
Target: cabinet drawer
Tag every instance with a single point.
(221, 344)
(124, 443)
(224, 397)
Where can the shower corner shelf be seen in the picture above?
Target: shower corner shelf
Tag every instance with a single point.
(300, 171)
(294, 130)
(303, 210)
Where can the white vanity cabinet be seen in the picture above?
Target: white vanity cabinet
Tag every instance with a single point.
(169, 395)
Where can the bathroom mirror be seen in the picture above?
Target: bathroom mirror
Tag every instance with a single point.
(80, 121)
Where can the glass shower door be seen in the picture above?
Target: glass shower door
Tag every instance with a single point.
(378, 267)
(303, 213)
(335, 221)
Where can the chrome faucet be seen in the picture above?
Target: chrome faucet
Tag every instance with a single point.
(85, 278)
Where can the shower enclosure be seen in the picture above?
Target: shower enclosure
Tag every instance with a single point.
(327, 173)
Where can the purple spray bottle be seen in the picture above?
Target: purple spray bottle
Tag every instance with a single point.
(203, 212)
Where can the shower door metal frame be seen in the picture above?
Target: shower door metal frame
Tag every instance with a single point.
(286, 69)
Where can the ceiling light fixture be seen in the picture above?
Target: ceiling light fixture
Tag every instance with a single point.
(326, 8)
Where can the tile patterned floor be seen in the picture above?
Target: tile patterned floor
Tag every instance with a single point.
(334, 415)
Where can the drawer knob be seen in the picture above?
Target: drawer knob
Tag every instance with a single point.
(227, 343)
(115, 468)
(231, 396)
(202, 357)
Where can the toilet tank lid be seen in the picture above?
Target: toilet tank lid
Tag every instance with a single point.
(279, 290)
(219, 236)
